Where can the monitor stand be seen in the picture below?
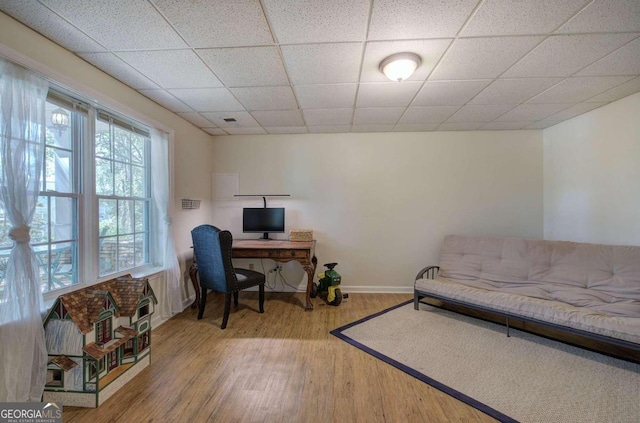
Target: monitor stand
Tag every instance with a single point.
(265, 237)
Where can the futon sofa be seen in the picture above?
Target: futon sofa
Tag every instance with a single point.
(589, 289)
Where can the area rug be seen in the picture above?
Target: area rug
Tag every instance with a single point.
(523, 377)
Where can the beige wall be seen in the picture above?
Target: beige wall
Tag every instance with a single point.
(592, 176)
(192, 147)
(380, 204)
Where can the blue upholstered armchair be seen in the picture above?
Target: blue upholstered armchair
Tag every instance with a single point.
(212, 250)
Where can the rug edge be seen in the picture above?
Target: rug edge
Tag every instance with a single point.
(414, 373)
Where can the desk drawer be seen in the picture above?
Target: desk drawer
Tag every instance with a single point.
(293, 254)
(241, 253)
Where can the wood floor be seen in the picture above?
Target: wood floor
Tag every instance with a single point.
(280, 366)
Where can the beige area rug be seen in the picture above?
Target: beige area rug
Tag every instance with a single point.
(523, 378)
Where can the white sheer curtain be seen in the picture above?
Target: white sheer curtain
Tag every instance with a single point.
(165, 250)
(23, 353)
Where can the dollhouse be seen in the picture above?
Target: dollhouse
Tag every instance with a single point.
(98, 338)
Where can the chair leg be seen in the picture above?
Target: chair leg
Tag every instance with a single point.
(227, 309)
(261, 297)
(203, 301)
(235, 298)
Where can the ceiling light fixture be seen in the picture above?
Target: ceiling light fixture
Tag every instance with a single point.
(400, 66)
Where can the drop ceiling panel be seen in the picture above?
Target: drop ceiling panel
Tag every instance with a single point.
(218, 23)
(606, 16)
(39, 17)
(577, 89)
(449, 93)
(427, 114)
(322, 63)
(478, 58)
(167, 100)
(531, 112)
(168, 68)
(430, 51)
(399, 20)
(624, 61)
(119, 24)
(296, 21)
(329, 129)
(456, 126)
(415, 127)
(247, 66)
(282, 57)
(254, 130)
(266, 98)
(508, 17)
(387, 94)
(565, 114)
(485, 113)
(564, 55)
(208, 99)
(372, 127)
(377, 116)
(122, 71)
(279, 118)
(575, 110)
(325, 96)
(196, 119)
(242, 119)
(504, 126)
(616, 93)
(286, 129)
(321, 117)
(513, 91)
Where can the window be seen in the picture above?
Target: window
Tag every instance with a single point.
(122, 188)
(144, 340)
(54, 377)
(92, 215)
(103, 331)
(143, 311)
(54, 229)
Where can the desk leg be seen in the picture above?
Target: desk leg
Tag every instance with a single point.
(193, 275)
(311, 271)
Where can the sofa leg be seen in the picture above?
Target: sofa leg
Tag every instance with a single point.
(508, 335)
(416, 300)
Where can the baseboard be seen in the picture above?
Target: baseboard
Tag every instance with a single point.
(378, 289)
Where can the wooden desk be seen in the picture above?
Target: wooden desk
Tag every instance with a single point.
(281, 251)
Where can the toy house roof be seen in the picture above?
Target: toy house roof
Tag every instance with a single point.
(64, 362)
(98, 351)
(85, 305)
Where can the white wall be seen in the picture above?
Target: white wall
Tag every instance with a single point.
(592, 176)
(192, 147)
(380, 204)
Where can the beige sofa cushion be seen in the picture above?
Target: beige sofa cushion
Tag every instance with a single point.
(591, 287)
(545, 310)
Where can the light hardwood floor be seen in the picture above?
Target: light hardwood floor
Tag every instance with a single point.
(280, 366)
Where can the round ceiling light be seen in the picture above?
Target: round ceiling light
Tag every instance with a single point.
(400, 66)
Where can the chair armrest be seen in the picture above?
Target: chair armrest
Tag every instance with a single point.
(430, 271)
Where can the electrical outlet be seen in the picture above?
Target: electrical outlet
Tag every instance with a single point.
(250, 266)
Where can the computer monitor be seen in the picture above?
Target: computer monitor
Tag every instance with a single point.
(263, 220)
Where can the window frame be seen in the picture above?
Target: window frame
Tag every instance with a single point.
(116, 122)
(68, 84)
(87, 226)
